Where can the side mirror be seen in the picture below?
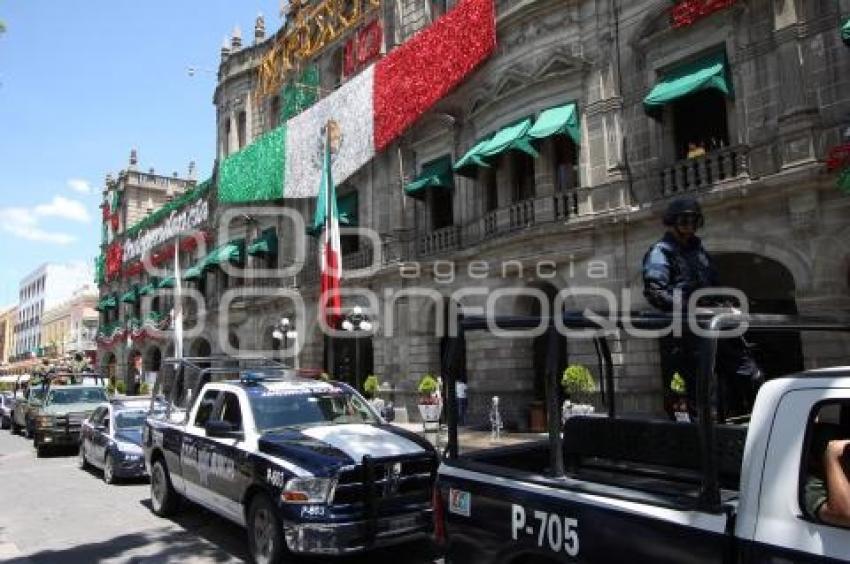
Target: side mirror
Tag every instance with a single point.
(101, 428)
(223, 430)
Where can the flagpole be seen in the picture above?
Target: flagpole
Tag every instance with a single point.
(178, 303)
(326, 238)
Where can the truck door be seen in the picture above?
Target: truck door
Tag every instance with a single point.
(224, 471)
(787, 526)
(191, 461)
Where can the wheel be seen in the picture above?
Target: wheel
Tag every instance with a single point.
(82, 463)
(27, 431)
(4, 422)
(15, 428)
(109, 470)
(265, 532)
(163, 496)
(40, 450)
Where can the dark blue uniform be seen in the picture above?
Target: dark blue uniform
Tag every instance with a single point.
(670, 267)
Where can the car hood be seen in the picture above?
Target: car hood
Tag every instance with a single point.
(132, 436)
(62, 409)
(322, 449)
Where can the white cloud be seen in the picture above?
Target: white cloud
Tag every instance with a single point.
(64, 208)
(80, 186)
(23, 223)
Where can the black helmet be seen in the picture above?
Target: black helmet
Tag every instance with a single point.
(681, 206)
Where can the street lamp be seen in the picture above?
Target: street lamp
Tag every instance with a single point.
(285, 330)
(355, 322)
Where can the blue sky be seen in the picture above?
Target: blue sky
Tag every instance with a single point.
(81, 83)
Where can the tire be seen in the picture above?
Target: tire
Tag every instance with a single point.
(82, 463)
(265, 532)
(15, 429)
(109, 470)
(164, 497)
(4, 422)
(40, 451)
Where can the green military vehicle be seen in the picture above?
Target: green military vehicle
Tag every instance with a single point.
(28, 400)
(57, 421)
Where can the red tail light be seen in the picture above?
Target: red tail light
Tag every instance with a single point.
(439, 514)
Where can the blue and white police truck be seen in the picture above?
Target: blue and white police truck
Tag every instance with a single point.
(307, 466)
(608, 488)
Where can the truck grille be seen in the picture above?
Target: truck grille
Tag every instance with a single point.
(406, 479)
(71, 422)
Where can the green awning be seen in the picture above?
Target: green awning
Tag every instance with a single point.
(129, 297)
(265, 244)
(231, 252)
(469, 163)
(147, 289)
(561, 120)
(108, 302)
(435, 174)
(167, 282)
(703, 74)
(845, 32)
(194, 272)
(347, 207)
(510, 137)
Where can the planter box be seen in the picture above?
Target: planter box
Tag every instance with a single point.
(430, 412)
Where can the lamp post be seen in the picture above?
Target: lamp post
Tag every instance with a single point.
(355, 322)
(285, 330)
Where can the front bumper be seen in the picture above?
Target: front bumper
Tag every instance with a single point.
(56, 437)
(356, 536)
(124, 468)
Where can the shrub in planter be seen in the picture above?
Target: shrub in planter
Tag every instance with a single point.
(429, 403)
(370, 386)
(579, 385)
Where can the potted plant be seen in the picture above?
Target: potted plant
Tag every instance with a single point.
(578, 384)
(429, 401)
(370, 386)
(679, 404)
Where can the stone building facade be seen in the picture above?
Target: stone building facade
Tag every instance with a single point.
(581, 213)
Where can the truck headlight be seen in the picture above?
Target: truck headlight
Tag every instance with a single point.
(44, 421)
(307, 490)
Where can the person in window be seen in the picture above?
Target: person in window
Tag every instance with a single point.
(678, 264)
(828, 498)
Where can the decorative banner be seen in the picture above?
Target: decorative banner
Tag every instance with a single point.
(194, 215)
(375, 107)
(299, 96)
(99, 270)
(363, 48)
(838, 159)
(114, 256)
(256, 172)
(686, 12)
(313, 27)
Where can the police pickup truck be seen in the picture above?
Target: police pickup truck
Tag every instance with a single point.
(608, 488)
(305, 465)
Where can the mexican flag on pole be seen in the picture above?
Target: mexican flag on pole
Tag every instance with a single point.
(326, 220)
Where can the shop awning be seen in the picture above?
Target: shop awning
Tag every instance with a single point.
(346, 206)
(265, 244)
(845, 32)
(435, 174)
(194, 272)
(511, 137)
(147, 289)
(703, 74)
(469, 163)
(167, 282)
(129, 297)
(561, 120)
(106, 303)
(230, 252)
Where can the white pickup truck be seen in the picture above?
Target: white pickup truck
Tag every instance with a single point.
(614, 489)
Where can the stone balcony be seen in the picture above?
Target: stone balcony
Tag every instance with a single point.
(728, 164)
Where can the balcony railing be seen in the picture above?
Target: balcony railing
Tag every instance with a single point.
(711, 169)
(439, 241)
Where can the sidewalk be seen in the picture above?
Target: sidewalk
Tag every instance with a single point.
(468, 439)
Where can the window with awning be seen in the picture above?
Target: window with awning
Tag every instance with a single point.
(107, 303)
(469, 163)
(147, 289)
(347, 207)
(129, 297)
(512, 137)
(845, 32)
(264, 245)
(230, 252)
(560, 120)
(167, 282)
(435, 174)
(709, 73)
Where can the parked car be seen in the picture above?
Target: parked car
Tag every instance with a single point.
(7, 405)
(111, 439)
(306, 466)
(29, 401)
(57, 421)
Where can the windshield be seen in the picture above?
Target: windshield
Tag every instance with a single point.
(130, 419)
(273, 411)
(36, 394)
(76, 395)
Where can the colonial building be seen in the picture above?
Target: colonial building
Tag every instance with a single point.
(544, 173)
(8, 321)
(70, 327)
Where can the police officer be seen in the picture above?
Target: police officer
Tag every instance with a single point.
(678, 264)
